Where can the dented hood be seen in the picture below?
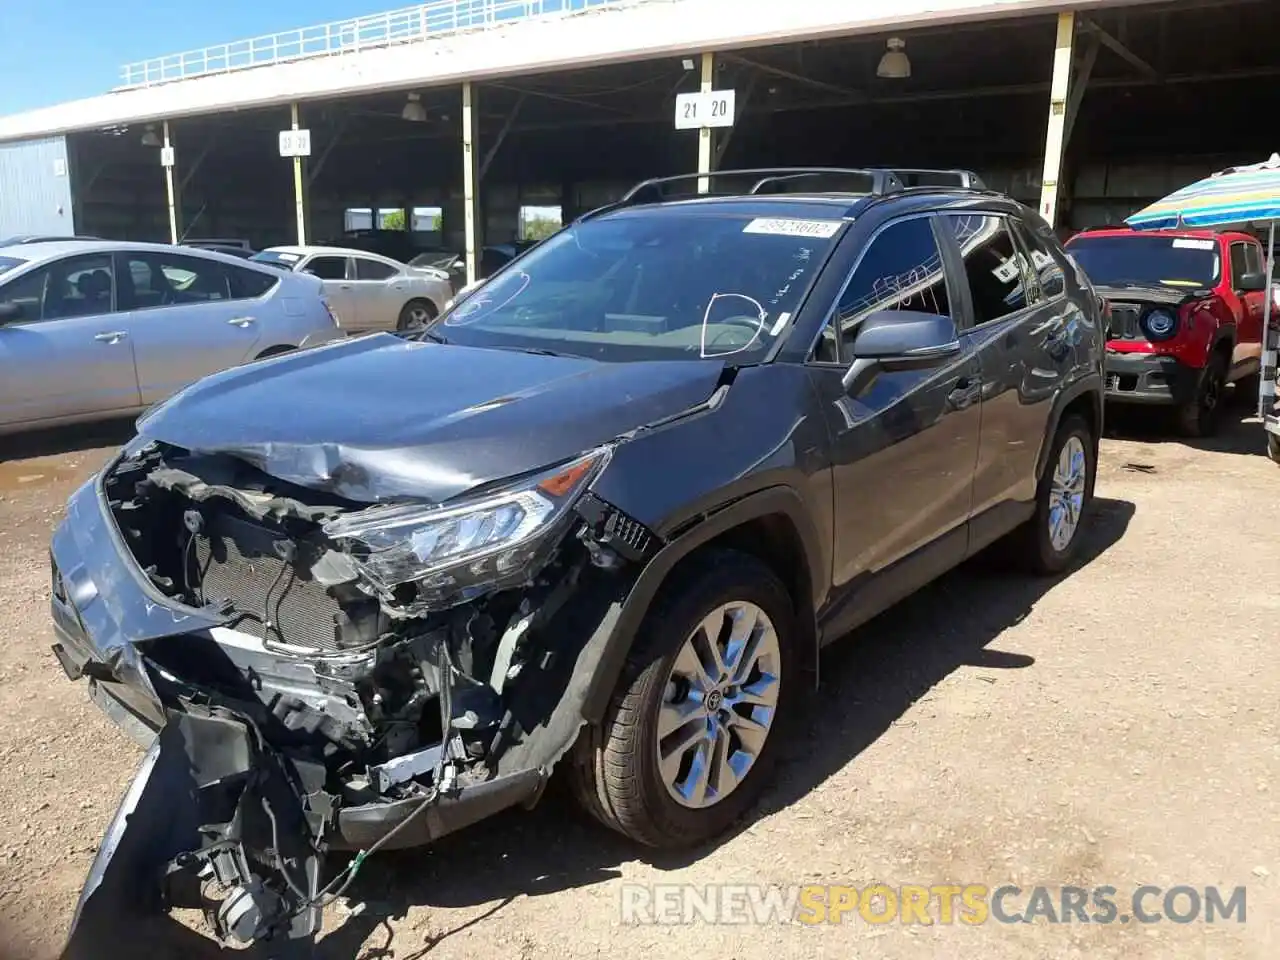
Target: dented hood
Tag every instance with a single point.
(380, 418)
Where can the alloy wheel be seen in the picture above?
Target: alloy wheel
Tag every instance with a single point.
(1066, 494)
(719, 704)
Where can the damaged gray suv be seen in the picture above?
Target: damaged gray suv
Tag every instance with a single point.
(599, 517)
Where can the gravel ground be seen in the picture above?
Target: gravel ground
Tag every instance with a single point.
(1116, 727)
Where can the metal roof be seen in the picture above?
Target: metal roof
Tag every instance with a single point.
(610, 32)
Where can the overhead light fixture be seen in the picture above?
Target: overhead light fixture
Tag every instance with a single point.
(149, 137)
(413, 110)
(895, 64)
(686, 63)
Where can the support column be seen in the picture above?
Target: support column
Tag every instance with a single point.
(470, 179)
(704, 134)
(299, 197)
(167, 159)
(1060, 89)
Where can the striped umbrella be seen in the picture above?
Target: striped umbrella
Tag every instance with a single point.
(1237, 195)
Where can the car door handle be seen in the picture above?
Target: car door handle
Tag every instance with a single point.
(110, 336)
(241, 322)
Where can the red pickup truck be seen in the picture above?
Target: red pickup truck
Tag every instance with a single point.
(1186, 316)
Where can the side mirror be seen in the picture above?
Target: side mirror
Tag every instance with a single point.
(895, 340)
(1252, 282)
(10, 312)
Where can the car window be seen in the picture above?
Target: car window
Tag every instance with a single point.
(247, 284)
(165, 279)
(1239, 263)
(1048, 270)
(327, 268)
(74, 287)
(373, 269)
(996, 270)
(900, 270)
(652, 284)
(1254, 259)
(1134, 259)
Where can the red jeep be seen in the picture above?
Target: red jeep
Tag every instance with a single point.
(1186, 316)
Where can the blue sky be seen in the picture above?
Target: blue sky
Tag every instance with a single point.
(55, 50)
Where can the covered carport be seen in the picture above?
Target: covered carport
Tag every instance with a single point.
(1156, 94)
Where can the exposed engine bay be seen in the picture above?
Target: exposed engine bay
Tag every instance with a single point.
(367, 663)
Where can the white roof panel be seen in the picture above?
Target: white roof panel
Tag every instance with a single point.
(636, 30)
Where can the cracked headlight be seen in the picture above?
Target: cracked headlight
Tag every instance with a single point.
(470, 546)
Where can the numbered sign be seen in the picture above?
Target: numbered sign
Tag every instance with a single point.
(295, 143)
(697, 110)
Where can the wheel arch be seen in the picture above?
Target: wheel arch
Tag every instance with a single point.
(1084, 398)
(770, 525)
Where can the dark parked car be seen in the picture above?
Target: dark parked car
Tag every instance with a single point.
(602, 514)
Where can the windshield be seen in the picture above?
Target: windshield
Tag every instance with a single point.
(277, 258)
(650, 285)
(8, 263)
(1173, 261)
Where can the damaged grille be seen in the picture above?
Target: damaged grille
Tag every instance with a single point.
(251, 568)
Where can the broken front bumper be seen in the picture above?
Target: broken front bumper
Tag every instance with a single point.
(104, 612)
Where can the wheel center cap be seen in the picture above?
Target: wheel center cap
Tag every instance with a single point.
(714, 701)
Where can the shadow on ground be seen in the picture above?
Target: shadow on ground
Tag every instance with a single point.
(59, 440)
(1239, 429)
(867, 684)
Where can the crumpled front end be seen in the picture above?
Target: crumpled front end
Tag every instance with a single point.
(358, 677)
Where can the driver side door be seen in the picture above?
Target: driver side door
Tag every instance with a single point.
(68, 355)
(904, 443)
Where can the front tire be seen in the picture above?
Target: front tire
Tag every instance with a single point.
(689, 738)
(1049, 542)
(1198, 417)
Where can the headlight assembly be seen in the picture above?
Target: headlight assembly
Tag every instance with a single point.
(1160, 324)
(469, 547)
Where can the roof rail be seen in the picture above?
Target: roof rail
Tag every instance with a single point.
(923, 177)
(880, 182)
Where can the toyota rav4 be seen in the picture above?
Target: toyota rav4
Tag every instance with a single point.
(1186, 316)
(602, 514)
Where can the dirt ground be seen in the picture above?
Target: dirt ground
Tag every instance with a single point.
(1116, 727)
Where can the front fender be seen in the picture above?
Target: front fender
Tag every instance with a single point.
(768, 502)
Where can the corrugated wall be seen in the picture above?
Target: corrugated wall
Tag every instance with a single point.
(35, 188)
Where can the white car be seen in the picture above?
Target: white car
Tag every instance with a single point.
(368, 292)
(101, 329)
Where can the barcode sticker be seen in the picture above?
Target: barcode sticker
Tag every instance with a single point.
(794, 228)
(1185, 243)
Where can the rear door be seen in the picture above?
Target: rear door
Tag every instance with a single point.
(1022, 339)
(336, 272)
(183, 322)
(380, 290)
(69, 355)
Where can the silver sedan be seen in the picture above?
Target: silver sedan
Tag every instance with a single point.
(96, 329)
(367, 291)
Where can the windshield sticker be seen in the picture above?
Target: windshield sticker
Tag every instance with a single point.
(793, 228)
(289, 257)
(779, 324)
(1183, 243)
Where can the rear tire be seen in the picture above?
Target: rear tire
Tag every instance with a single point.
(1273, 448)
(415, 315)
(1246, 391)
(646, 786)
(1198, 417)
(1048, 543)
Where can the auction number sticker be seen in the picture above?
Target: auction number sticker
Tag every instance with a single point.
(1183, 243)
(794, 228)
